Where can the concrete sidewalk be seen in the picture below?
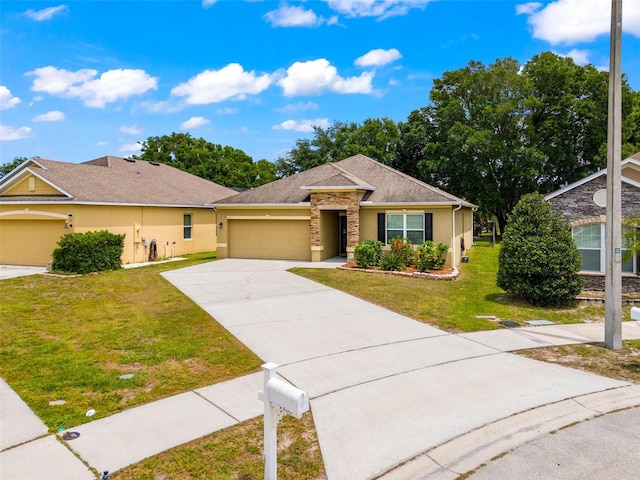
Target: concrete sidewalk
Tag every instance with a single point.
(390, 396)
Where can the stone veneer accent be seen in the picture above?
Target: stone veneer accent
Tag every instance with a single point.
(578, 208)
(346, 200)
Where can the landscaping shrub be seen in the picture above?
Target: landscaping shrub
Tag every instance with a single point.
(539, 260)
(368, 253)
(404, 249)
(392, 262)
(431, 256)
(88, 252)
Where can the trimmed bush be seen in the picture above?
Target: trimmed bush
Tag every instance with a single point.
(88, 252)
(392, 262)
(431, 256)
(538, 259)
(368, 253)
(404, 249)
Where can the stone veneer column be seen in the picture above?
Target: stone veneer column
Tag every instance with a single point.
(348, 201)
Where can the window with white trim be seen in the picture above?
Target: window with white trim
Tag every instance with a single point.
(590, 240)
(187, 226)
(405, 225)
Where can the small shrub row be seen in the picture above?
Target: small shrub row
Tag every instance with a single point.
(427, 256)
(88, 252)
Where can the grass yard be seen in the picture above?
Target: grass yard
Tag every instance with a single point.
(71, 338)
(236, 453)
(452, 305)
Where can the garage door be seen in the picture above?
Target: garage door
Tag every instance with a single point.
(29, 242)
(273, 239)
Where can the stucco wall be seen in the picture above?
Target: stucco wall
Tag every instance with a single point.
(164, 224)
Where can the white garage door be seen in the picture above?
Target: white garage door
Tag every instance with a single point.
(271, 239)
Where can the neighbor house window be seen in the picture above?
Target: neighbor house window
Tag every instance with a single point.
(590, 240)
(187, 226)
(405, 225)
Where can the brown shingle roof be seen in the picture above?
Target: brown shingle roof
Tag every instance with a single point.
(116, 180)
(389, 185)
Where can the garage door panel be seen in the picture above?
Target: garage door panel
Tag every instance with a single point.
(29, 242)
(270, 239)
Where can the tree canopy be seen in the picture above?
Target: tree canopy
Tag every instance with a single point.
(490, 134)
(226, 165)
(7, 167)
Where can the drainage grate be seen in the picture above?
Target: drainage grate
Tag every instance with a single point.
(508, 323)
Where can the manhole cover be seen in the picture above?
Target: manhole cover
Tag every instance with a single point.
(70, 435)
(540, 322)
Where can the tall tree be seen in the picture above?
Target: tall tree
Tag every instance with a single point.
(477, 146)
(377, 138)
(224, 165)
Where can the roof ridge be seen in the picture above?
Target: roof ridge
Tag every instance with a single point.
(408, 177)
(350, 176)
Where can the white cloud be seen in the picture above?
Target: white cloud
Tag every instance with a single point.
(378, 57)
(131, 147)
(298, 107)
(527, 8)
(52, 116)
(114, 85)
(101, 143)
(573, 21)
(111, 86)
(6, 99)
(57, 81)
(302, 125)
(581, 57)
(317, 76)
(208, 3)
(8, 133)
(130, 130)
(47, 13)
(292, 16)
(375, 8)
(226, 111)
(213, 86)
(194, 122)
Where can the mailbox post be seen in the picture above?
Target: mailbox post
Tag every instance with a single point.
(280, 398)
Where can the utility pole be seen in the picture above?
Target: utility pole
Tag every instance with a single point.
(613, 240)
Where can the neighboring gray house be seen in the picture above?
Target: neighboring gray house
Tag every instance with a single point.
(583, 205)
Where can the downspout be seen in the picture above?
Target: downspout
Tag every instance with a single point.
(453, 236)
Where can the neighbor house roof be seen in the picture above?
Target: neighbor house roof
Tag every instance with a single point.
(631, 163)
(383, 185)
(114, 180)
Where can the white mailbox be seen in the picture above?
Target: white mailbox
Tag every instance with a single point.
(635, 314)
(279, 397)
(287, 397)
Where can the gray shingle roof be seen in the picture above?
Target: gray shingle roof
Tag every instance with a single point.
(389, 185)
(109, 180)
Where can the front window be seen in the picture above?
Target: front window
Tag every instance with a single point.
(590, 240)
(187, 226)
(405, 225)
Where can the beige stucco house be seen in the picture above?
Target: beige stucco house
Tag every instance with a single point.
(41, 200)
(325, 211)
(583, 204)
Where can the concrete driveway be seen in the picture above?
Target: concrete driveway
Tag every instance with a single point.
(391, 396)
(13, 271)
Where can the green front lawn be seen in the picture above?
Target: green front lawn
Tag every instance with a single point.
(71, 338)
(451, 305)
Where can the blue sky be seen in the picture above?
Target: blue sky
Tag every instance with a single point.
(81, 79)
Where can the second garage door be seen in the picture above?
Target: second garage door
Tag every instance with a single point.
(272, 239)
(29, 242)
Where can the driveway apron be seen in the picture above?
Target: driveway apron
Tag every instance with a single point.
(384, 388)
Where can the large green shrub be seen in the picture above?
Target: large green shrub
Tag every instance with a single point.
(88, 252)
(368, 253)
(539, 260)
(431, 256)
